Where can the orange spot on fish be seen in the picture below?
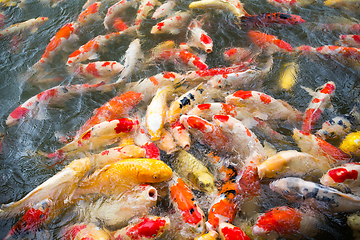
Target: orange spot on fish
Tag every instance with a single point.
(154, 80)
(205, 39)
(265, 98)
(106, 152)
(243, 94)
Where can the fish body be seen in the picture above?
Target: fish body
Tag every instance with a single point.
(185, 205)
(144, 9)
(30, 222)
(315, 195)
(164, 9)
(20, 27)
(288, 4)
(267, 19)
(146, 228)
(350, 40)
(218, 4)
(116, 10)
(211, 235)
(206, 74)
(85, 231)
(237, 54)
(228, 231)
(53, 96)
(341, 53)
(181, 135)
(99, 69)
(118, 177)
(113, 109)
(292, 163)
(166, 142)
(119, 25)
(288, 75)
(263, 40)
(191, 60)
(320, 100)
(198, 37)
(319, 148)
(351, 144)
(264, 106)
(172, 24)
(89, 14)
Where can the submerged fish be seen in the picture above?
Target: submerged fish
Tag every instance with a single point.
(217, 4)
(266, 19)
(17, 28)
(351, 144)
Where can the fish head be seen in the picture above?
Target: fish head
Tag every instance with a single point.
(154, 171)
(204, 180)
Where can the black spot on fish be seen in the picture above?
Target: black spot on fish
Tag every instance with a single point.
(185, 101)
(64, 89)
(229, 192)
(332, 122)
(192, 210)
(201, 90)
(285, 16)
(193, 199)
(191, 96)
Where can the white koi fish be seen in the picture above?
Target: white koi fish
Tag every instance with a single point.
(217, 4)
(237, 54)
(180, 135)
(99, 69)
(191, 59)
(172, 24)
(90, 14)
(116, 10)
(198, 37)
(144, 9)
(164, 9)
(29, 25)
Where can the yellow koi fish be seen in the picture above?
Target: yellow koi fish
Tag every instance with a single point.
(217, 4)
(288, 75)
(351, 144)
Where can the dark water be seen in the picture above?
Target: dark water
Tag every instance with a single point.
(21, 169)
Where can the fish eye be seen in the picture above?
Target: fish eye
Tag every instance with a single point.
(202, 185)
(155, 176)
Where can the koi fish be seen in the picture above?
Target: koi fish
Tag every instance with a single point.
(243, 141)
(17, 28)
(211, 235)
(352, 4)
(31, 220)
(287, 4)
(319, 148)
(102, 134)
(205, 131)
(166, 142)
(271, 42)
(58, 188)
(99, 69)
(116, 212)
(163, 51)
(237, 54)
(350, 144)
(320, 100)
(116, 10)
(350, 40)
(198, 37)
(113, 109)
(172, 24)
(267, 19)
(119, 25)
(164, 9)
(228, 231)
(340, 53)
(286, 222)
(146, 228)
(353, 222)
(264, 106)
(145, 7)
(292, 163)
(53, 96)
(191, 59)
(85, 231)
(181, 135)
(218, 4)
(89, 14)
(116, 178)
(192, 169)
(315, 195)
(185, 205)
(288, 75)
(344, 177)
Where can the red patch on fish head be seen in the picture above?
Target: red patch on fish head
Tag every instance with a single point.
(339, 175)
(106, 64)
(205, 39)
(243, 94)
(231, 52)
(329, 88)
(91, 68)
(197, 123)
(125, 125)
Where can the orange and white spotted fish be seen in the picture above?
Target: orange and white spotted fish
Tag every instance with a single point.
(29, 25)
(321, 100)
(90, 14)
(164, 9)
(228, 231)
(237, 54)
(85, 231)
(191, 59)
(116, 10)
(173, 24)
(268, 19)
(144, 9)
(198, 37)
(350, 40)
(271, 42)
(99, 70)
(53, 96)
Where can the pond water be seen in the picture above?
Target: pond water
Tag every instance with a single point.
(22, 168)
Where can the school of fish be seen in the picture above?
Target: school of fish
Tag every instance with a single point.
(192, 151)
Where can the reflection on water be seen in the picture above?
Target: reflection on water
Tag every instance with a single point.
(22, 168)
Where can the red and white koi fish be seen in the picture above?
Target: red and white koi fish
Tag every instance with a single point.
(119, 25)
(319, 148)
(64, 36)
(132, 55)
(191, 59)
(163, 51)
(115, 108)
(239, 5)
(89, 14)
(243, 141)
(315, 195)
(271, 42)
(17, 28)
(286, 222)
(185, 102)
(99, 69)
(237, 54)
(53, 96)
(181, 135)
(146, 228)
(145, 7)
(320, 100)
(185, 205)
(115, 212)
(292, 163)
(102, 134)
(164, 9)
(340, 53)
(267, 19)
(166, 142)
(344, 177)
(30, 222)
(287, 4)
(228, 231)
(85, 231)
(264, 106)
(250, 76)
(116, 10)
(350, 40)
(172, 24)
(198, 37)
(218, 4)
(204, 131)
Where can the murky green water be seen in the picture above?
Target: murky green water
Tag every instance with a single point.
(21, 169)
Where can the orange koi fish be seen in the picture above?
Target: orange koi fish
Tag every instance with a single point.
(172, 24)
(89, 14)
(228, 231)
(20, 27)
(205, 131)
(350, 40)
(116, 10)
(163, 9)
(99, 69)
(53, 96)
(344, 177)
(30, 222)
(267, 19)
(198, 37)
(181, 135)
(263, 40)
(320, 100)
(146, 228)
(285, 222)
(184, 203)
(319, 148)
(85, 231)
(113, 109)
